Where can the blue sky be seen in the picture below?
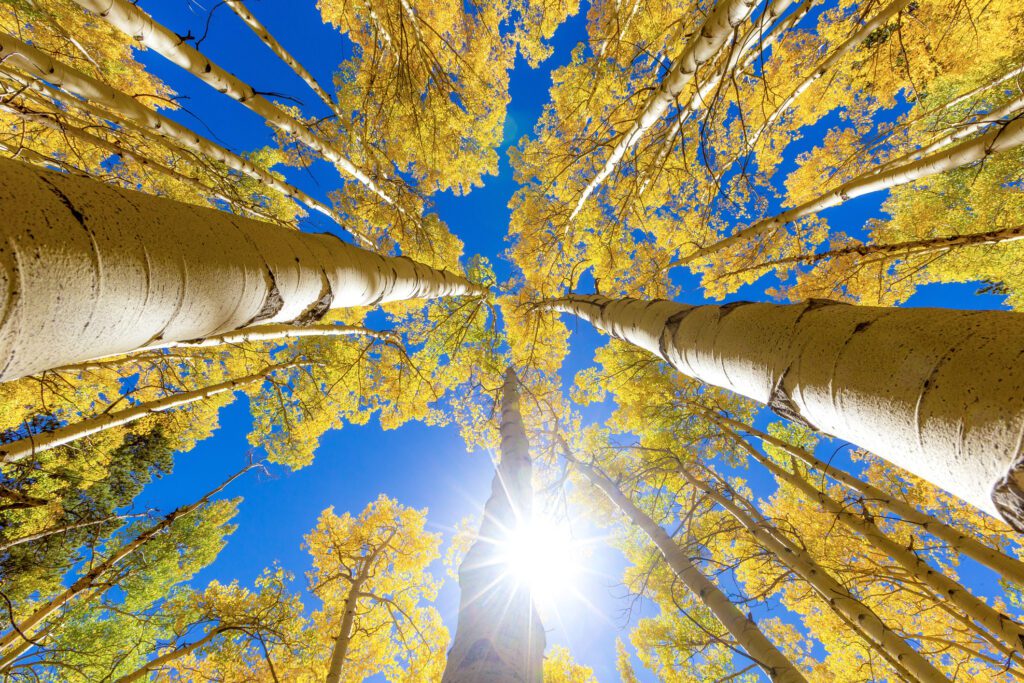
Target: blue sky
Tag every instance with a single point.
(419, 466)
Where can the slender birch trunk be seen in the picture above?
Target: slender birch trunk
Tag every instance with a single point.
(705, 46)
(877, 21)
(758, 647)
(37, 64)
(38, 443)
(959, 132)
(823, 583)
(260, 333)
(937, 392)
(944, 588)
(177, 653)
(134, 22)
(52, 531)
(257, 27)
(339, 652)
(88, 580)
(90, 270)
(499, 636)
(1012, 73)
(965, 544)
(906, 249)
(1005, 137)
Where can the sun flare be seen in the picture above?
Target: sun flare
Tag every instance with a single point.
(544, 556)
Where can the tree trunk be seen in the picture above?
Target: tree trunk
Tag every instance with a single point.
(929, 245)
(824, 584)
(63, 530)
(340, 650)
(761, 650)
(103, 271)
(944, 588)
(876, 22)
(259, 333)
(37, 443)
(499, 638)
(937, 392)
(1004, 138)
(134, 22)
(178, 652)
(961, 542)
(705, 46)
(264, 35)
(37, 64)
(89, 579)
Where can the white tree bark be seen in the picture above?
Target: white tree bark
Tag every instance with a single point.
(499, 638)
(140, 26)
(744, 630)
(14, 53)
(1004, 137)
(937, 392)
(37, 443)
(944, 588)
(246, 15)
(88, 270)
(853, 610)
(705, 45)
(877, 21)
(1009, 567)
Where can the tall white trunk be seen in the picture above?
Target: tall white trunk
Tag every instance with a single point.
(136, 23)
(877, 21)
(705, 46)
(744, 630)
(88, 270)
(961, 542)
(246, 15)
(1004, 137)
(944, 588)
(937, 392)
(831, 591)
(14, 53)
(339, 651)
(499, 638)
(38, 443)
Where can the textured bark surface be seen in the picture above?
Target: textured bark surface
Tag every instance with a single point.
(705, 45)
(499, 638)
(88, 270)
(937, 392)
(744, 630)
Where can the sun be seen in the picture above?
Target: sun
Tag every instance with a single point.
(543, 555)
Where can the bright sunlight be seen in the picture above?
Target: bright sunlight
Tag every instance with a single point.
(544, 556)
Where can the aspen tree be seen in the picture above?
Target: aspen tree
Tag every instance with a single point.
(94, 575)
(707, 42)
(23, 448)
(1006, 628)
(855, 612)
(937, 392)
(744, 630)
(1007, 135)
(37, 64)
(140, 26)
(961, 542)
(499, 635)
(240, 272)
